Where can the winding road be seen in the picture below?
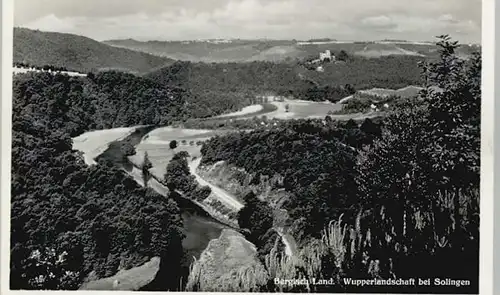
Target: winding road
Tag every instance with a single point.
(233, 202)
(222, 195)
(93, 149)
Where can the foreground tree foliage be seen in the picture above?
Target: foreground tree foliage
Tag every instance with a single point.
(427, 181)
(404, 205)
(70, 221)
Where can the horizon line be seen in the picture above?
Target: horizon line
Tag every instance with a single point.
(310, 40)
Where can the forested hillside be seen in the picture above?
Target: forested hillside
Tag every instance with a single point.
(316, 161)
(292, 78)
(392, 208)
(78, 53)
(104, 100)
(68, 220)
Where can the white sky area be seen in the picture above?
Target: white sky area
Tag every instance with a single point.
(416, 20)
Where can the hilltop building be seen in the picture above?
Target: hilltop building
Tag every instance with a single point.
(326, 56)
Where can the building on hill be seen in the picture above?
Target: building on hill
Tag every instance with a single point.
(327, 55)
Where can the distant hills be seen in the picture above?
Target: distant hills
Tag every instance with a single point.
(210, 51)
(275, 50)
(79, 53)
(83, 54)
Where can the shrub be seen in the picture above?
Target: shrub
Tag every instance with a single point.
(173, 144)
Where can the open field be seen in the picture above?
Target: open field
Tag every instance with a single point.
(156, 144)
(94, 143)
(378, 50)
(127, 280)
(245, 111)
(406, 92)
(251, 111)
(160, 155)
(273, 50)
(299, 109)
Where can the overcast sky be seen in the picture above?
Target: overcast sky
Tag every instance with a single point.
(275, 19)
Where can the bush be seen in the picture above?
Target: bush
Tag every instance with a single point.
(173, 144)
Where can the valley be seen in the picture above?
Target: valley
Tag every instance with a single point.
(240, 162)
(200, 227)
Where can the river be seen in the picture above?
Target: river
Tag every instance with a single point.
(198, 226)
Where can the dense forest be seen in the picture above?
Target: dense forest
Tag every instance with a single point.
(103, 100)
(291, 79)
(70, 221)
(392, 206)
(316, 159)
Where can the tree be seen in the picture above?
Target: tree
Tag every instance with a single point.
(351, 124)
(48, 270)
(342, 56)
(173, 144)
(419, 156)
(255, 216)
(371, 129)
(177, 176)
(201, 193)
(349, 89)
(146, 165)
(127, 149)
(87, 218)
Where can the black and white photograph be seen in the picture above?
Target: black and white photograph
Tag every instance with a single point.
(299, 146)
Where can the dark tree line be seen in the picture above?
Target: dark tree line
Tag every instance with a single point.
(67, 219)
